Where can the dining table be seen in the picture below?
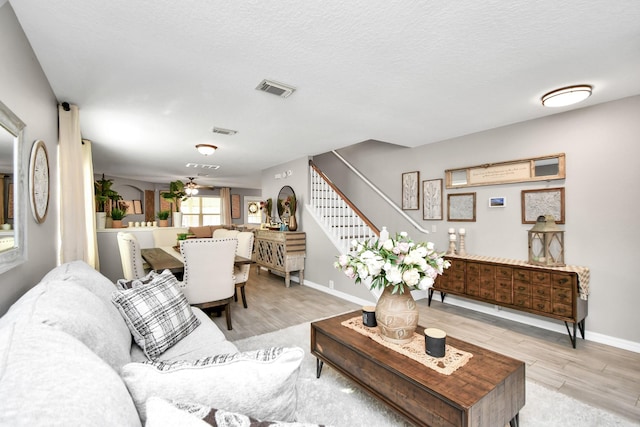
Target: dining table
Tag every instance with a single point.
(169, 258)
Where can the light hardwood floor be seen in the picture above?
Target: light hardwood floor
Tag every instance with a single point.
(600, 375)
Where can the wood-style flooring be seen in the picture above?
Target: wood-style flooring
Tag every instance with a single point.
(597, 374)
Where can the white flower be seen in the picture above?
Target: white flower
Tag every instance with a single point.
(388, 244)
(411, 277)
(420, 251)
(350, 272)
(394, 275)
(425, 283)
(343, 260)
(404, 247)
(403, 234)
(430, 246)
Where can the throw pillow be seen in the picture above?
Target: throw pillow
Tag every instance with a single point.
(124, 284)
(162, 413)
(261, 383)
(157, 314)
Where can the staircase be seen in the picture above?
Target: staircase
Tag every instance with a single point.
(341, 220)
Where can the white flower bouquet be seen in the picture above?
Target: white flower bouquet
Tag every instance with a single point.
(398, 262)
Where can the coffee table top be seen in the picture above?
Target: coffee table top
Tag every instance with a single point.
(466, 386)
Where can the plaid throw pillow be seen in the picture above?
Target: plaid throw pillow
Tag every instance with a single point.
(157, 314)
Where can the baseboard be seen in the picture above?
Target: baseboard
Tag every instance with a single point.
(342, 295)
(502, 313)
(542, 323)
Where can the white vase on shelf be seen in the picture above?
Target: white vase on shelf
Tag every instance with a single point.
(177, 219)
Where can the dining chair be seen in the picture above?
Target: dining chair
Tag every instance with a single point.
(133, 266)
(208, 273)
(223, 232)
(167, 236)
(245, 248)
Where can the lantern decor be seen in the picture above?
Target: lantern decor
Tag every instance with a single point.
(546, 243)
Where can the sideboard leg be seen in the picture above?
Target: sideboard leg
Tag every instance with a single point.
(442, 295)
(515, 421)
(581, 327)
(430, 296)
(573, 336)
(319, 364)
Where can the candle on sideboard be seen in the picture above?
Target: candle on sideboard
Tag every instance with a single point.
(452, 230)
(462, 231)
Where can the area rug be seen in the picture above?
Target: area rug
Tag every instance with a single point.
(336, 401)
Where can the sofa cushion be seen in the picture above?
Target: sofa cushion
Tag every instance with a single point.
(158, 314)
(82, 273)
(70, 307)
(261, 384)
(48, 378)
(204, 341)
(201, 232)
(162, 413)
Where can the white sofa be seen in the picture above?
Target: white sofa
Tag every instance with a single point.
(67, 358)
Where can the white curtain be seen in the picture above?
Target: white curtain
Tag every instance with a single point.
(225, 205)
(75, 175)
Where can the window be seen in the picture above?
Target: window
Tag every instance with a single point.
(198, 211)
(252, 210)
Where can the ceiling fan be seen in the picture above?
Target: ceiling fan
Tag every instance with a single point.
(191, 187)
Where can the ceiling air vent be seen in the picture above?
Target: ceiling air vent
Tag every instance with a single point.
(275, 88)
(202, 166)
(223, 131)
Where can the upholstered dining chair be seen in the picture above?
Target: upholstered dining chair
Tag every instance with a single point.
(208, 273)
(167, 236)
(245, 248)
(223, 232)
(133, 267)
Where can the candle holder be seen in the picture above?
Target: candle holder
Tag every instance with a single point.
(452, 243)
(462, 251)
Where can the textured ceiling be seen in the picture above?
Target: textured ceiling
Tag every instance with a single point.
(152, 78)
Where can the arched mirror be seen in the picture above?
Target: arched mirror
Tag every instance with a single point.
(282, 206)
(12, 191)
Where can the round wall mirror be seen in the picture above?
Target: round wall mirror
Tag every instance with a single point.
(282, 207)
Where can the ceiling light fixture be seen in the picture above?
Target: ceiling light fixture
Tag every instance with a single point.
(566, 96)
(191, 188)
(206, 149)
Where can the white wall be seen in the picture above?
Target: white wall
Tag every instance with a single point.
(601, 189)
(26, 91)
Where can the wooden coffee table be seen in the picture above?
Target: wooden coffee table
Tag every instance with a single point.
(488, 391)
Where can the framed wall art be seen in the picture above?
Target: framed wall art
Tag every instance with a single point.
(461, 207)
(235, 206)
(546, 201)
(411, 190)
(432, 199)
(497, 202)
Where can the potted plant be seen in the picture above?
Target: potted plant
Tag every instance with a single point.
(163, 217)
(175, 195)
(103, 195)
(117, 214)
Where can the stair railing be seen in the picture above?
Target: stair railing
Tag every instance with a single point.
(343, 222)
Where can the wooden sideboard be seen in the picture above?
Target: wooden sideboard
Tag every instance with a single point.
(556, 292)
(281, 251)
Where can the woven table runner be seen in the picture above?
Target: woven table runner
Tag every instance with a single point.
(414, 349)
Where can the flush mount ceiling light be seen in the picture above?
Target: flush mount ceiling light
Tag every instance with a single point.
(566, 96)
(206, 149)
